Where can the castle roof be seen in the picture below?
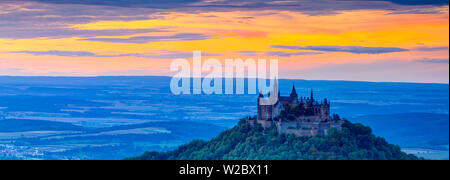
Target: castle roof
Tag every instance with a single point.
(293, 92)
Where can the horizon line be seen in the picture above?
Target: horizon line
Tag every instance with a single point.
(336, 80)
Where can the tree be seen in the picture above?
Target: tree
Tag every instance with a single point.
(245, 142)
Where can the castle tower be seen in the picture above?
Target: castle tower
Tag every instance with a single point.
(266, 106)
(258, 116)
(275, 92)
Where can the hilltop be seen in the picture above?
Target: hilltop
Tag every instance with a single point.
(244, 142)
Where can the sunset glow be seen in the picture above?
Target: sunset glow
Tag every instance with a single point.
(355, 44)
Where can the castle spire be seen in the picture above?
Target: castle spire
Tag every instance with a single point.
(293, 92)
(312, 95)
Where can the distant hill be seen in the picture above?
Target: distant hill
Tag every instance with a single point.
(20, 125)
(243, 142)
(108, 143)
(410, 130)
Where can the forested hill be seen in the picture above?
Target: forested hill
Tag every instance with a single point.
(243, 142)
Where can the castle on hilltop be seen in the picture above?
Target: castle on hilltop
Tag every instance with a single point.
(304, 116)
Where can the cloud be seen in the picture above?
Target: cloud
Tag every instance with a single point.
(236, 3)
(289, 54)
(67, 53)
(125, 3)
(419, 2)
(161, 55)
(418, 11)
(324, 7)
(22, 19)
(307, 6)
(21, 33)
(276, 53)
(349, 49)
(146, 39)
(173, 55)
(443, 48)
(434, 61)
(37, 20)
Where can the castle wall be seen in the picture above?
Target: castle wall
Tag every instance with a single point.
(300, 128)
(309, 119)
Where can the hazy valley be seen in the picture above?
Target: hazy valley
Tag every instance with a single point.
(118, 117)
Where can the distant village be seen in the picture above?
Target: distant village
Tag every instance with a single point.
(9, 151)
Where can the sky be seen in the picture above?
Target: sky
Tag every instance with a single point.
(358, 40)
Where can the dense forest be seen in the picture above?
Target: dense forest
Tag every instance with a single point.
(244, 142)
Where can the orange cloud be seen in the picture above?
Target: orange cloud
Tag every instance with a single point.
(228, 34)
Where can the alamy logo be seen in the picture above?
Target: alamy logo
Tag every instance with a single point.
(220, 77)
